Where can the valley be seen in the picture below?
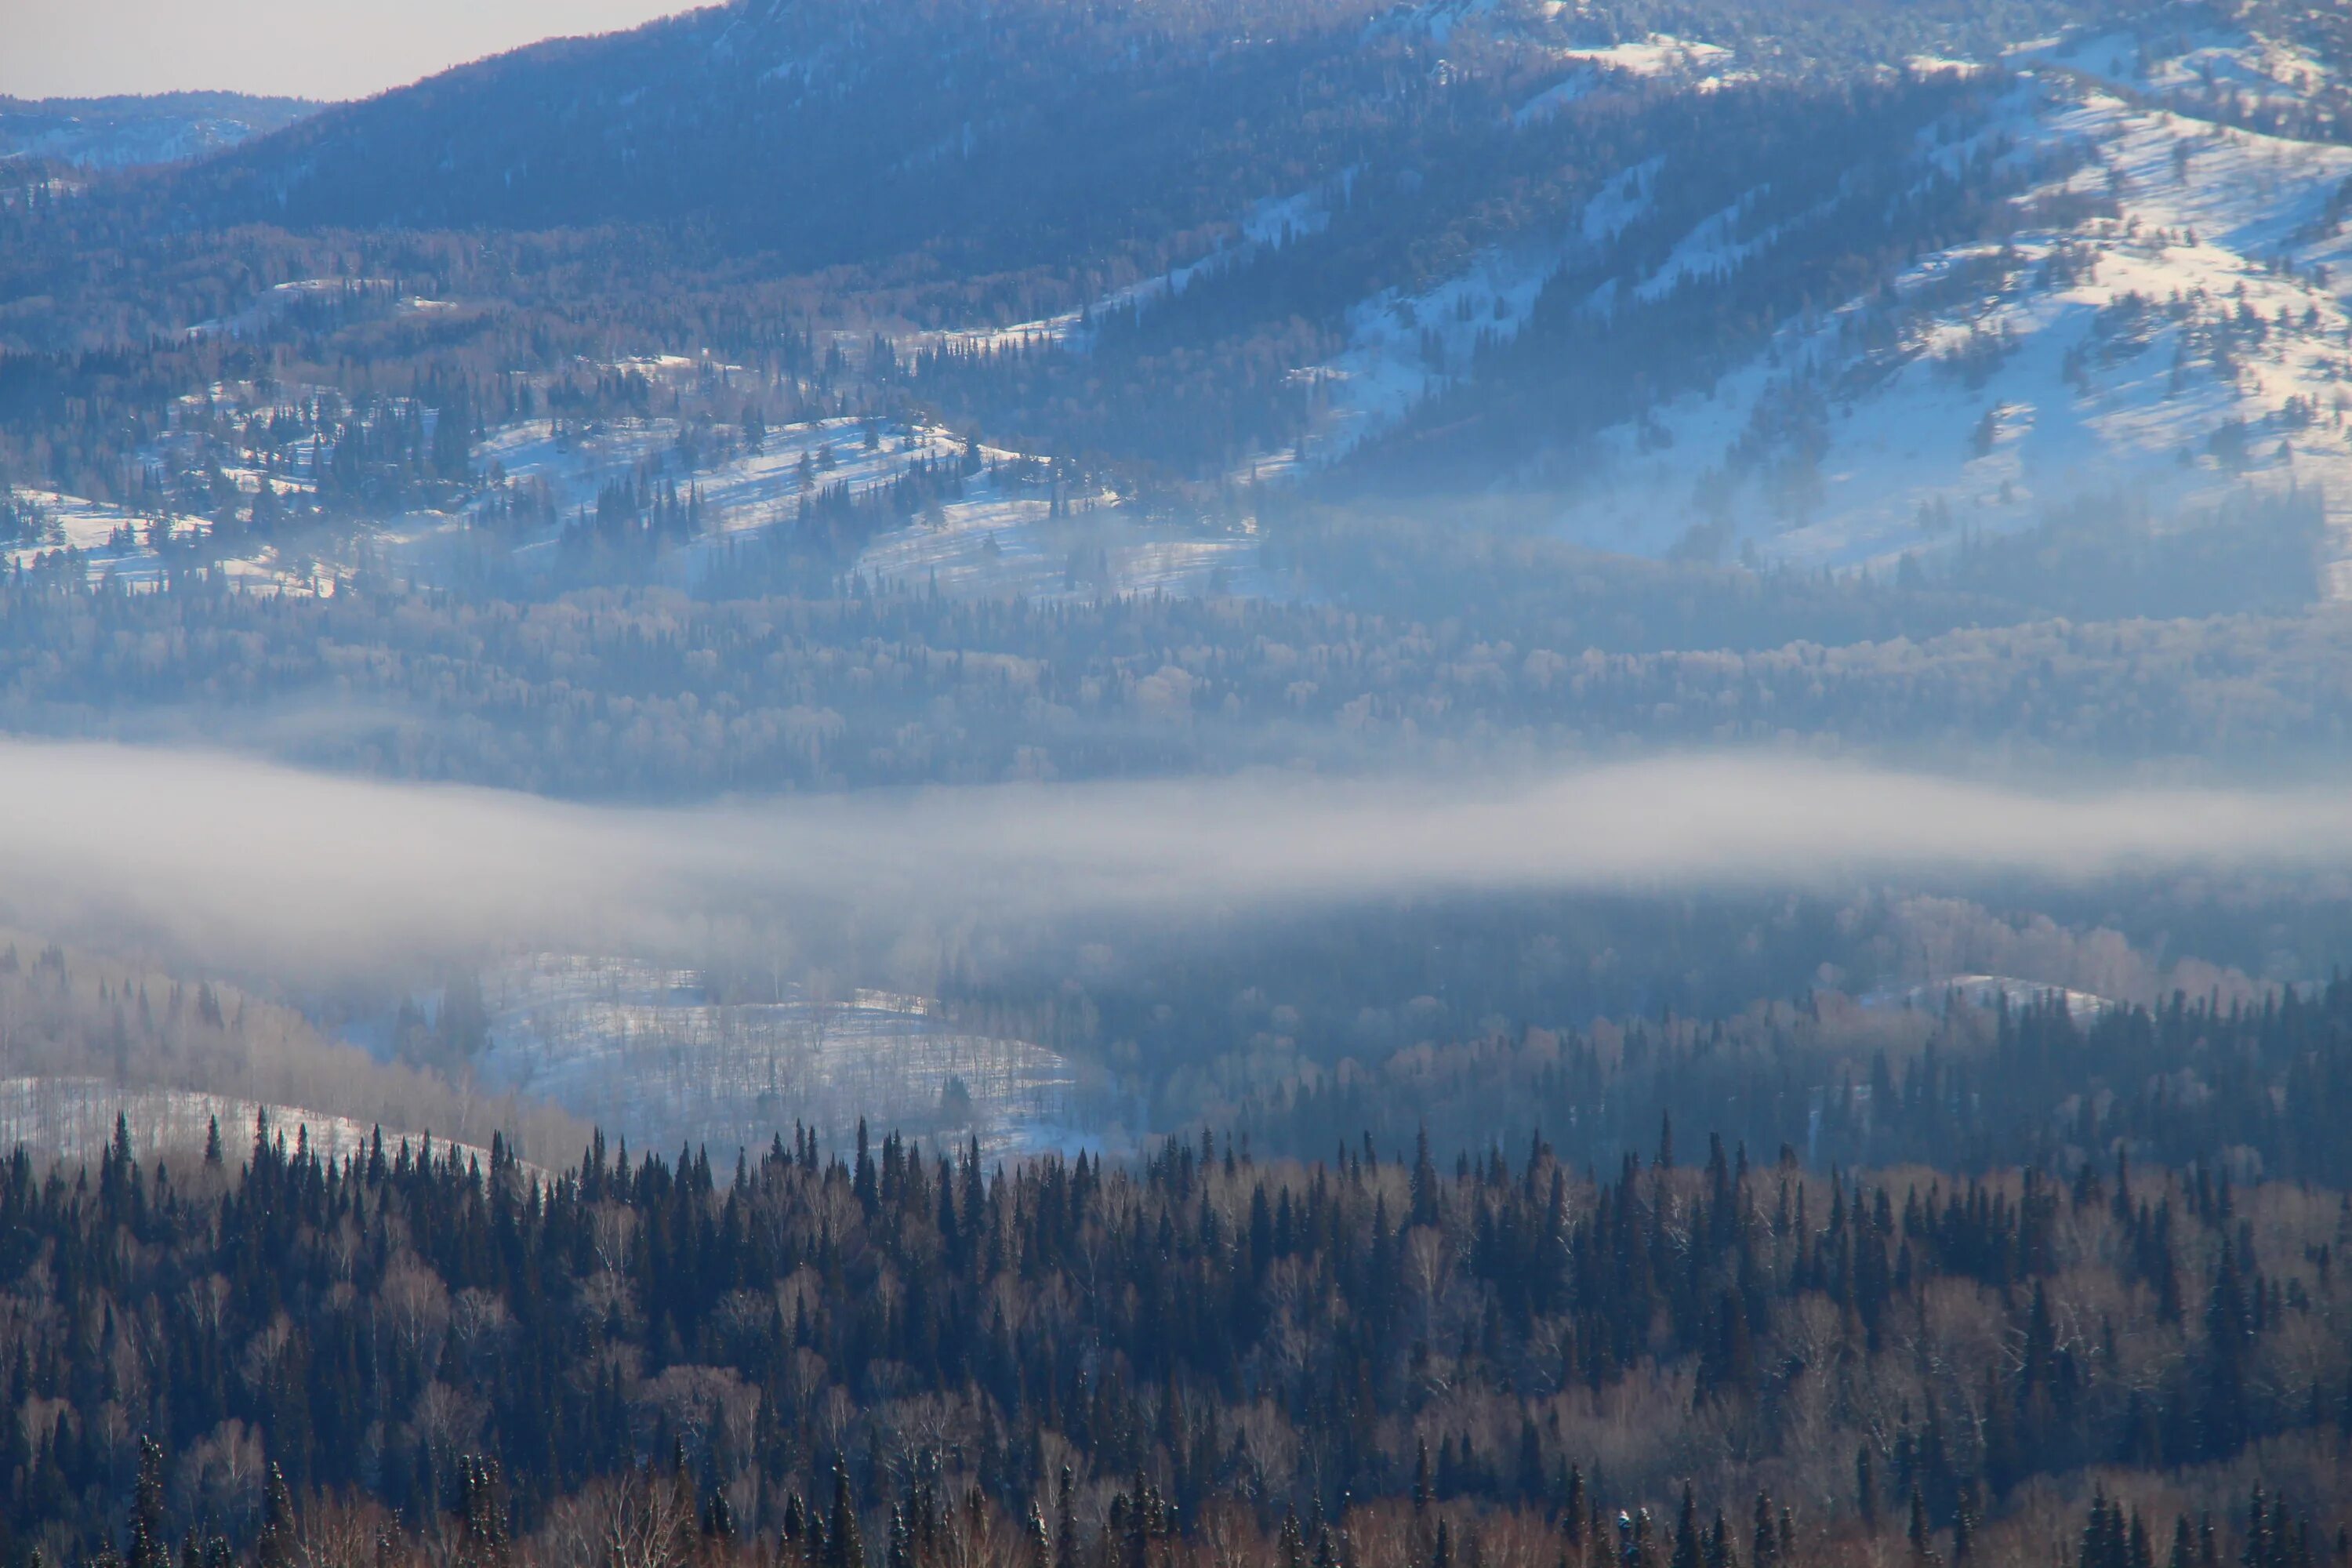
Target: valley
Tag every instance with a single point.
(1183, 783)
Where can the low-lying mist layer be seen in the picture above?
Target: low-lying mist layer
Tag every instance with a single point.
(230, 861)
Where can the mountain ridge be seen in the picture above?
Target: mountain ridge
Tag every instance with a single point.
(1701, 293)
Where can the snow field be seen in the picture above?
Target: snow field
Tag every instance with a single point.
(1000, 537)
(640, 1049)
(74, 1117)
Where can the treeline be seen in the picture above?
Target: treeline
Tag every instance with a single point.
(75, 1027)
(609, 693)
(2253, 1087)
(1386, 1357)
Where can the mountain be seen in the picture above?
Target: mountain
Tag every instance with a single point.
(2157, 320)
(826, 132)
(1494, 783)
(1831, 285)
(130, 131)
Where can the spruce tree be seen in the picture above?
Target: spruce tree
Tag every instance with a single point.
(274, 1547)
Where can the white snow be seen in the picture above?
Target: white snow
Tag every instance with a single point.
(2066, 363)
(278, 297)
(1554, 99)
(1002, 537)
(1659, 55)
(2017, 381)
(1624, 198)
(116, 544)
(642, 1050)
(2183, 67)
(113, 541)
(1716, 247)
(74, 1117)
(1991, 990)
(1401, 348)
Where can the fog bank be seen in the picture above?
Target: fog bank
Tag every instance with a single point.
(271, 868)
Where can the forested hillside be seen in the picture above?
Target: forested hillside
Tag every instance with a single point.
(1468, 783)
(638, 694)
(121, 132)
(1385, 1356)
(1515, 248)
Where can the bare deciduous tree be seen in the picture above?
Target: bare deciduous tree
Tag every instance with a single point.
(641, 1519)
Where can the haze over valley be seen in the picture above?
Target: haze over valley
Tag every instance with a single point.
(1192, 783)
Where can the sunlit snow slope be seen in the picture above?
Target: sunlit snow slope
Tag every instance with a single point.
(2183, 332)
(2168, 325)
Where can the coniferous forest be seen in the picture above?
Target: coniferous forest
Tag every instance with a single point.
(1243, 1348)
(1183, 784)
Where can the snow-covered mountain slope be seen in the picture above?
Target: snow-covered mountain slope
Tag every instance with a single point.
(1830, 289)
(2179, 330)
(1015, 527)
(2163, 317)
(1268, 225)
(2211, 71)
(1401, 347)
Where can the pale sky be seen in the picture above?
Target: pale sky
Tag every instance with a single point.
(304, 48)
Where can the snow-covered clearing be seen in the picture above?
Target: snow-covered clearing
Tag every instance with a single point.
(1992, 991)
(114, 542)
(643, 1050)
(2186, 66)
(74, 1117)
(1659, 55)
(118, 545)
(1003, 536)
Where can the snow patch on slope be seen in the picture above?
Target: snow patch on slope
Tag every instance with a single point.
(1005, 535)
(1401, 348)
(1554, 99)
(1718, 245)
(2186, 66)
(2194, 341)
(1659, 55)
